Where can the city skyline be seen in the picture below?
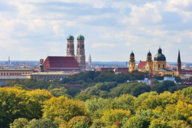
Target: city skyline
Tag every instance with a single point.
(112, 29)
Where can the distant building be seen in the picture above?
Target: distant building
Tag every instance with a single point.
(49, 75)
(70, 62)
(61, 63)
(148, 81)
(15, 71)
(132, 65)
(158, 66)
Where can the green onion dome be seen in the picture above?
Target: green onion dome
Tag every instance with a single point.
(70, 37)
(132, 54)
(80, 37)
(160, 56)
(149, 53)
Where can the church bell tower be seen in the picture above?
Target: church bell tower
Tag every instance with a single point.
(132, 65)
(179, 64)
(70, 45)
(149, 63)
(80, 55)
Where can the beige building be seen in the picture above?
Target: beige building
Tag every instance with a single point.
(132, 65)
(49, 75)
(15, 71)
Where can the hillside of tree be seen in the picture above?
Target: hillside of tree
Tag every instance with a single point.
(106, 100)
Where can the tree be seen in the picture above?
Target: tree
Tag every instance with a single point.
(111, 116)
(43, 123)
(19, 123)
(159, 123)
(98, 124)
(82, 97)
(82, 120)
(63, 108)
(137, 122)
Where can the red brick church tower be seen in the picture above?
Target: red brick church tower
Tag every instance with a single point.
(80, 55)
(70, 46)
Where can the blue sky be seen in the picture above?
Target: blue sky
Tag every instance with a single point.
(33, 29)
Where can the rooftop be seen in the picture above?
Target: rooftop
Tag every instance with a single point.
(16, 69)
(50, 73)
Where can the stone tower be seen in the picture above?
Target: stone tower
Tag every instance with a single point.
(132, 66)
(90, 61)
(149, 63)
(179, 64)
(70, 45)
(80, 55)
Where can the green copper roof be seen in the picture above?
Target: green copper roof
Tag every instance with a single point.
(70, 37)
(80, 37)
(159, 56)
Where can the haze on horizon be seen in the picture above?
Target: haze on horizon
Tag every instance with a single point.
(33, 29)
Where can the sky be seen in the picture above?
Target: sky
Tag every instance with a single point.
(34, 29)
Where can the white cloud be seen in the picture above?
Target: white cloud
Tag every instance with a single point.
(147, 13)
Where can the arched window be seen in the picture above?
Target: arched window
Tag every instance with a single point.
(159, 65)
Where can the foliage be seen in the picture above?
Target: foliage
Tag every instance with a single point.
(19, 123)
(75, 120)
(158, 123)
(42, 123)
(63, 108)
(98, 124)
(111, 116)
(137, 122)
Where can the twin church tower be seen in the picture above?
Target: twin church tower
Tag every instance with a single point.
(80, 55)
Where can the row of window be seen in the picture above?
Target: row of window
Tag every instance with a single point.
(48, 77)
(13, 74)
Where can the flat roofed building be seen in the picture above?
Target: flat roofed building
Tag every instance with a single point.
(15, 71)
(49, 75)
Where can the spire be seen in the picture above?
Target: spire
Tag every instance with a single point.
(179, 57)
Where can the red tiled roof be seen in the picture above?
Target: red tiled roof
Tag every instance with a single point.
(107, 69)
(142, 64)
(60, 62)
(36, 69)
(121, 69)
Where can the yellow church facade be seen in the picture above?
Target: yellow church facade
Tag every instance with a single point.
(158, 66)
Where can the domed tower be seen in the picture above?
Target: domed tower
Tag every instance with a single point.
(70, 45)
(80, 55)
(132, 66)
(41, 69)
(149, 63)
(159, 60)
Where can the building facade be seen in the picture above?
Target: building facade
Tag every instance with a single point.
(149, 62)
(132, 65)
(158, 66)
(70, 46)
(70, 62)
(80, 55)
(159, 60)
(15, 71)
